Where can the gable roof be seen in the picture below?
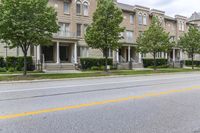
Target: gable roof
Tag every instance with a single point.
(195, 16)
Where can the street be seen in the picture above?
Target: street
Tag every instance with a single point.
(168, 103)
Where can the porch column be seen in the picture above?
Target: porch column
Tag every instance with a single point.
(75, 53)
(117, 55)
(181, 54)
(140, 58)
(58, 53)
(129, 53)
(174, 55)
(38, 53)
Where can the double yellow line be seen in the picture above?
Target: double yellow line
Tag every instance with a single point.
(153, 94)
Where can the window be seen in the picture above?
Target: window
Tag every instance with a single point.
(180, 26)
(131, 19)
(109, 53)
(85, 28)
(85, 9)
(64, 29)
(144, 55)
(183, 26)
(159, 55)
(78, 30)
(140, 19)
(66, 8)
(145, 19)
(82, 51)
(129, 35)
(78, 7)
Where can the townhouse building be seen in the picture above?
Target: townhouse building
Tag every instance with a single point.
(68, 45)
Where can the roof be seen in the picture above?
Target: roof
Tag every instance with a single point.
(125, 7)
(195, 16)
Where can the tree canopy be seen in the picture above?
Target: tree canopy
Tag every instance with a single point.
(105, 32)
(154, 40)
(25, 23)
(190, 42)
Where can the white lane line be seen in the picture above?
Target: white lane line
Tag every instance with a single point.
(94, 84)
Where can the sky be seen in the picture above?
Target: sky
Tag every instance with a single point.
(171, 7)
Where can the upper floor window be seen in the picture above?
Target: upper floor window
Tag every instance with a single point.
(131, 19)
(78, 7)
(78, 30)
(145, 19)
(129, 35)
(85, 9)
(64, 29)
(85, 28)
(183, 26)
(140, 18)
(66, 7)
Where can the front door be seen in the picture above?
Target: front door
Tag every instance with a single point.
(64, 54)
(48, 53)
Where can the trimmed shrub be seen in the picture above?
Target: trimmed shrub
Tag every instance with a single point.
(189, 63)
(2, 62)
(159, 62)
(11, 69)
(3, 69)
(88, 63)
(18, 63)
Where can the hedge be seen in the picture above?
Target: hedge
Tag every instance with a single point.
(159, 62)
(2, 62)
(88, 63)
(189, 63)
(18, 63)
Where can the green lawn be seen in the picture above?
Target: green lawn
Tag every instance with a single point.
(39, 76)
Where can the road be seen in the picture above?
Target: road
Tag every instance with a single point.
(167, 103)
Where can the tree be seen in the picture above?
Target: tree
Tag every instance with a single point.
(105, 32)
(25, 23)
(154, 40)
(190, 42)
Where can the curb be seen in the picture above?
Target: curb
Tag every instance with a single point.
(83, 78)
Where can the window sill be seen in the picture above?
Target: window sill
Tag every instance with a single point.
(66, 13)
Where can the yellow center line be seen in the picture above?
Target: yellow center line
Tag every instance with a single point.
(146, 95)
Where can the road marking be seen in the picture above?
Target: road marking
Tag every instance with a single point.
(146, 95)
(93, 84)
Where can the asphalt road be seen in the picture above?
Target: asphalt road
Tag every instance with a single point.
(142, 104)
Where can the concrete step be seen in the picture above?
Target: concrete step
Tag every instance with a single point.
(127, 65)
(55, 67)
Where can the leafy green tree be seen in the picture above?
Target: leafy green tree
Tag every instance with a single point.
(154, 40)
(105, 32)
(25, 23)
(190, 42)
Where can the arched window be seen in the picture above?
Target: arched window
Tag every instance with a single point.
(183, 26)
(78, 7)
(145, 19)
(85, 8)
(140, 18)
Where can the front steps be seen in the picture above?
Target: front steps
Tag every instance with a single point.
(59, 67)
(126, 66)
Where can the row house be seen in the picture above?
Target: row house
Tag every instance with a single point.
(68, 45)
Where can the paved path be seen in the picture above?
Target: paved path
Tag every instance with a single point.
(142, 104)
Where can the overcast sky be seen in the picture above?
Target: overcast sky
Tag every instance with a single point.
(171, 7)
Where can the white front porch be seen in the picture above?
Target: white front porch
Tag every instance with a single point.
(59, 55)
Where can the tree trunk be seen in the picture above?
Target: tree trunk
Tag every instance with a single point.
(192, 61)
(25, 64)
(154, 58)
(106, 60)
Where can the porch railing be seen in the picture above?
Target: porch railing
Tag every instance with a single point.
(64, 35)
